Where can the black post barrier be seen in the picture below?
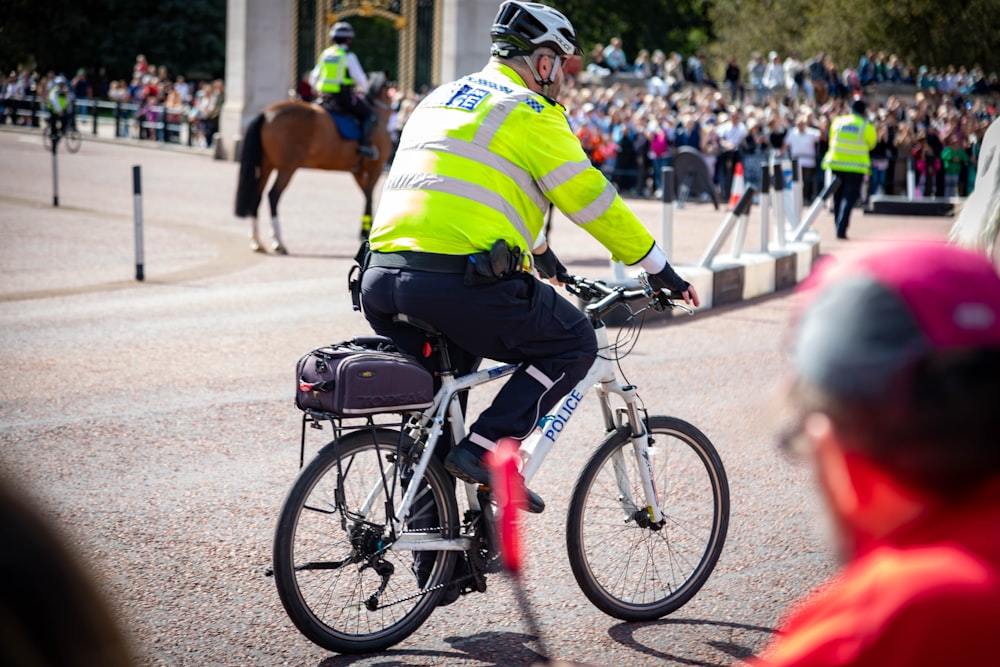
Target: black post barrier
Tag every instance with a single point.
(814, 210)
(796, 191)
(137, 196)
(765, 209)
(745, 202)
(55, 163)
(742, 208)
(93, 110)
(668, 187)
(778, 183)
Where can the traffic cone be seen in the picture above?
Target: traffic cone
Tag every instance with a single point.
(738, 186)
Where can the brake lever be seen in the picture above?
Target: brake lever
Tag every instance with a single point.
(664, 299)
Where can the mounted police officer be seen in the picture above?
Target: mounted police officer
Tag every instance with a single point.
(337, 76)
(459, 230)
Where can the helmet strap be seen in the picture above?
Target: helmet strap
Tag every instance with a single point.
(546, 82)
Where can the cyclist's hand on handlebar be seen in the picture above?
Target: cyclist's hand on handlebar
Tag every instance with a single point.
(550, 267)
(690, 296)
(667, 279)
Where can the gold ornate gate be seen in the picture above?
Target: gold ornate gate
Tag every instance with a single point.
(408, 17)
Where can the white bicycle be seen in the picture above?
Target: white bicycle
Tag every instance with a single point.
(372, 535)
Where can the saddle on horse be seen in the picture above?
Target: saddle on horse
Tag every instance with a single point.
(346, 106)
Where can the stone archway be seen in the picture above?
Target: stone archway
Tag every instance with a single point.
(263, 54)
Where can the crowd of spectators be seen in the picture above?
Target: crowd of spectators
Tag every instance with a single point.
(151, 104)
(928, 120)
(632, 116)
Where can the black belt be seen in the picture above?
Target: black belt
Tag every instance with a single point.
(419, 261)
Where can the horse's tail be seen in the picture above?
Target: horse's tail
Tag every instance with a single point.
(248, 187)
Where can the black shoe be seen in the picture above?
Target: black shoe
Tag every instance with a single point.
(469, 467)
(368, 152)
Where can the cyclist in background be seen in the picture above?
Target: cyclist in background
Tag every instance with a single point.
(60, 106)
(459, 230)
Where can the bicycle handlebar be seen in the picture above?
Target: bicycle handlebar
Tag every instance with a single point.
(601, 297)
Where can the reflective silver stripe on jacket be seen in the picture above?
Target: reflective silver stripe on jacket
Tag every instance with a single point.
(596, 208)
(478, 150)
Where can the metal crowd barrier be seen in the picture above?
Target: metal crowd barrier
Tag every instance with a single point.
(117, 119)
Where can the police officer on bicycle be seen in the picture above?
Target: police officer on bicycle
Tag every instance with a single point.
(60, 106)
(459, 230)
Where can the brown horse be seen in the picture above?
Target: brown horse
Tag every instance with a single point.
(289, 135)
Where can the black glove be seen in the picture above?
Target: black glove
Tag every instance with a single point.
(669, 280)
(549, 266)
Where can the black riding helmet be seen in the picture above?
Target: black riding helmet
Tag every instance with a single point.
(521, 27)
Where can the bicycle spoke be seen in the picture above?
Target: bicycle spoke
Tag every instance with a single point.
(630, 568)
(338, 574)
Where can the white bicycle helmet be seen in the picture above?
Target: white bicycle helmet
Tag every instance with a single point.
(341, 30)
(521, 27)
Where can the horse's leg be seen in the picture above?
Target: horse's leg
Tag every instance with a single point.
(366, 181)
(280, 183)
(255, 244)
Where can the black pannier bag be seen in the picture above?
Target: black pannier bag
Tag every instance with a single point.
(361, 377)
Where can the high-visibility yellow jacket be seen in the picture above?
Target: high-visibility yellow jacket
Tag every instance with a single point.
(333, 70)
(58, 101)
(851, 139)
(480, 159)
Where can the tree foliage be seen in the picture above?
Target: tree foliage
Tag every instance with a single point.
(668, 25)
(919, 32)
(188, 36)
(104, 36)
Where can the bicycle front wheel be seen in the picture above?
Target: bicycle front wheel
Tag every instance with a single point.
(338, 576)
(73, 140)
(627, 566)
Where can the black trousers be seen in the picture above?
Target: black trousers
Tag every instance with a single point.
(845, 198)
(516, 320)
(345, 101)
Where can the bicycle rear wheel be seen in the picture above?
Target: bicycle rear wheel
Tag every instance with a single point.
(632, 569)
(338, 576)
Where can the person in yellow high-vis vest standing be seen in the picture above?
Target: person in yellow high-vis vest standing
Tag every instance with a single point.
(336, 78)
(852, 138)
(479, 162)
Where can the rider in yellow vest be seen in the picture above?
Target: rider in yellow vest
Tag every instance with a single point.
(479, 162)
(60, 106)
(337, 76)
(852, 137)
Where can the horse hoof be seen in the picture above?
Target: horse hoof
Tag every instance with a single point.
(256, 246)
(278, 248)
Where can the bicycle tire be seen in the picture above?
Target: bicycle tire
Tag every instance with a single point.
(47, 139)
(316, 525)
(73, 140)
(637, 573)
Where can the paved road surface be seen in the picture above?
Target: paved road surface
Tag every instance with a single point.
(154, 421)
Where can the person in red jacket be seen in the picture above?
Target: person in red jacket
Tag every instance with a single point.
(896, 357)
